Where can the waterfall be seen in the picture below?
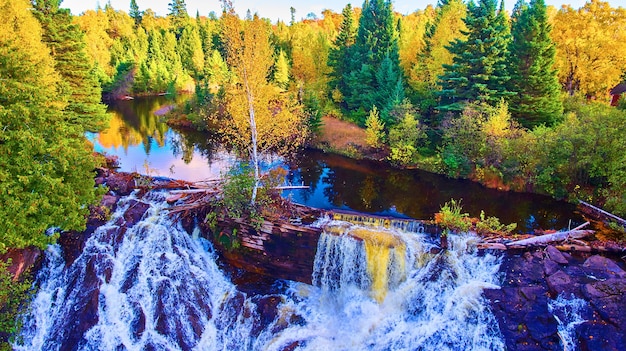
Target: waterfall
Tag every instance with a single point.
(154, 286)
(426, 301)
(568, 313)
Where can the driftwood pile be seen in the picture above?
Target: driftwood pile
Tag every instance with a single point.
(570, 240)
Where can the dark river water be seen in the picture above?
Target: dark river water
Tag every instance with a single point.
(145, 144)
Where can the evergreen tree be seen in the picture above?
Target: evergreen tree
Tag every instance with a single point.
(134, 12)
(178, 13)
(374, 55)
(190, 50)
(281, 70)
(479, 69)
(67, 46)
(533, 79)
(46, 175)
(338, 56)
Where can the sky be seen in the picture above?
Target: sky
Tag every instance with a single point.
(277, 9)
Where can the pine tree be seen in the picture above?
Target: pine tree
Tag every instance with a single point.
(134, 12)
(338, 56)
(479, 69)
(178, 14)
(46, 175)
(190, 50)
(281, 70)
(374, 53)
(67, 46)
(533, 78)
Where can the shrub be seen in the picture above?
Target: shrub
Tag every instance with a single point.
(451, 217)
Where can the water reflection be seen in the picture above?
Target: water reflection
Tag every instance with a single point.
(367, 186)
(146, 145)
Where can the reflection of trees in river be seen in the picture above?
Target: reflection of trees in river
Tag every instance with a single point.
(134, 122)
(184, 144)
(373, 187)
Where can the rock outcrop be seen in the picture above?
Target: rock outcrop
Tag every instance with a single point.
(529, 313)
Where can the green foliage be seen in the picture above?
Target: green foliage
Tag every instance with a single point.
(534, 80)
(79, 82)
(488, 225)
(368, 72)
(339, 57)
(451, 217)
(313, 111)
(46, 166)
(375, 129)
(134, 12)
(237, 192)
(404, 140)
(13, 296)
(479, 69)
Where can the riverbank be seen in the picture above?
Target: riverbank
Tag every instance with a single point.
(542, 291)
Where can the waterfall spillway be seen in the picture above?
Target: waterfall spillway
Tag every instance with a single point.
(153, 286)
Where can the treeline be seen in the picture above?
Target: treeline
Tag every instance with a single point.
(461, 88)
(49, 98)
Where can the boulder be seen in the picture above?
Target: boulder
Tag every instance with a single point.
(561, 283)
(555, 255)
(135, 212)
(604, 268)
(22, 260)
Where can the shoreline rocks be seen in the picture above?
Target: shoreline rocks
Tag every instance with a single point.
(544, 292)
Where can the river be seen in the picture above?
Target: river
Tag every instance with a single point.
(152, 285)
(146, 145)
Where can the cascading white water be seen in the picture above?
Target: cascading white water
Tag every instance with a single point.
(159, 289)
(155, 287)
(434, 301)
(568, 313)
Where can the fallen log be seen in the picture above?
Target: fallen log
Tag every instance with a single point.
(598, 213)
(550, 238)
(491, 246)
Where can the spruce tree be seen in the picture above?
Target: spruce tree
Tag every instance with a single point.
(134, 12)
(479, 69)
(374, 55)
(447, 26)
(79, 82)
(338, 56)
(178, 14)
(533, 79)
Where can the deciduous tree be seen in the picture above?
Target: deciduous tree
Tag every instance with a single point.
(262, 120)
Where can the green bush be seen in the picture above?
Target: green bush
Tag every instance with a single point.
(13, 296)
(451, 217)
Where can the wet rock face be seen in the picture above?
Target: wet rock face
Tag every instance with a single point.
(533, 280)
(22, 260)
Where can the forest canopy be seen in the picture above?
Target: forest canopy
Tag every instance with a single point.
(516, 100)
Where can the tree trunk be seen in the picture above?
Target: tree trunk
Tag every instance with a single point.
(253, 137)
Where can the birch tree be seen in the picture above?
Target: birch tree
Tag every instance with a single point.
(262, 119)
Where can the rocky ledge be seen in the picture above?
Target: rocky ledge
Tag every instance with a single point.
(549, 299)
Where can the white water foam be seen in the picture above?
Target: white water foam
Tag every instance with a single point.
(161, 289)
(568, 313)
